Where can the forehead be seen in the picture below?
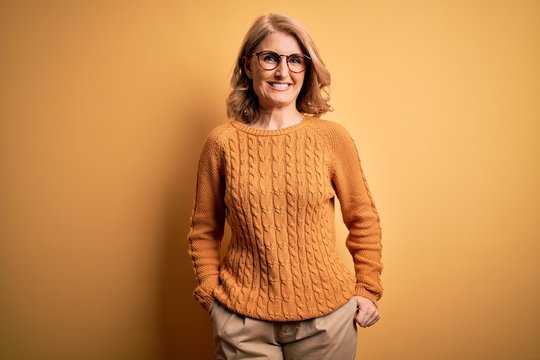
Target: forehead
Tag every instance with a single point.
(279, 42)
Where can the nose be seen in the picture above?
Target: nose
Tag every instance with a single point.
(282, 68)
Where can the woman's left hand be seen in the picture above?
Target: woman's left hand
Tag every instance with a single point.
(367, 314)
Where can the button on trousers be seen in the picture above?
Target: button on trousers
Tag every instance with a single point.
(332, 336)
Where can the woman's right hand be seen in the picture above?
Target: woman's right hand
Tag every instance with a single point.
(211, 308)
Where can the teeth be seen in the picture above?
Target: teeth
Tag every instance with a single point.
(279, 86)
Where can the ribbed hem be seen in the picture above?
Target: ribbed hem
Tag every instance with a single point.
(266, 132)
(361, 291)
(304, 313)
(204, 297)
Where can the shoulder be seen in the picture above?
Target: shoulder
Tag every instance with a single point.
(216, 137)
(334, 133)
(219, 132)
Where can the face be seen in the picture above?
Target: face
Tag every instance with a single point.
(278, 87)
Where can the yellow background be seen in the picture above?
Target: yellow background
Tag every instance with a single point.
(104, 107)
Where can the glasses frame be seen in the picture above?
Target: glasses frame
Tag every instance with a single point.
(258, 54)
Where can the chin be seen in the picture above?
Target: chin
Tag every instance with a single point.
(281, 101)
(276, 104)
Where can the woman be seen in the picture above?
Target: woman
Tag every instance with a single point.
(273, 173)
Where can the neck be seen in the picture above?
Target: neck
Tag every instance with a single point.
(277, 118)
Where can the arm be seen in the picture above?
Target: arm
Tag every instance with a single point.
(359, 215)
(207, 222)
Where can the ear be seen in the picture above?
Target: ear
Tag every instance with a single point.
(247, 67)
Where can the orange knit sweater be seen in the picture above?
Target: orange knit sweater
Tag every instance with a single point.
(276, 189)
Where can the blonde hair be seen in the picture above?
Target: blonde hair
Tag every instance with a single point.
(242, 103)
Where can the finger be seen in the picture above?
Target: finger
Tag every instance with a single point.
(366, 318)
(372, 320)
(356, 318)
(370, 316)
(362, 316)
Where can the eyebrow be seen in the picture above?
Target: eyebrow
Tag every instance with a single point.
(279, 53)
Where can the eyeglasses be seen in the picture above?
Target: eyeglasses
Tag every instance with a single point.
(269, 60)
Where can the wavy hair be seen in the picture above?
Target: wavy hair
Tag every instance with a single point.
(242, 103)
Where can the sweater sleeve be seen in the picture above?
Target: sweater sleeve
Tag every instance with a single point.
(207, 222)
(359, 215)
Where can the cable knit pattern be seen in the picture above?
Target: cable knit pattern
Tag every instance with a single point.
(276, 189)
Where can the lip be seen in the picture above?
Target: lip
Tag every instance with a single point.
(277, 82)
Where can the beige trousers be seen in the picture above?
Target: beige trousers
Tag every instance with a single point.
(332, 336)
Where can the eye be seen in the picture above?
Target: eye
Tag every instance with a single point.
(270, 58)
(296, 59)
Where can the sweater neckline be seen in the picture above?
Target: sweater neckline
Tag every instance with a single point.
(255, 131)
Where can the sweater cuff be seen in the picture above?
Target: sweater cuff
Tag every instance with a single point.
(204, 293)
(361, 291)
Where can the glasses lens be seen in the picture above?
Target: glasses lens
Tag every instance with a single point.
(269, 60)
(297, 62)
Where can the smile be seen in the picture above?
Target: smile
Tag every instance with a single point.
(280, 86)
